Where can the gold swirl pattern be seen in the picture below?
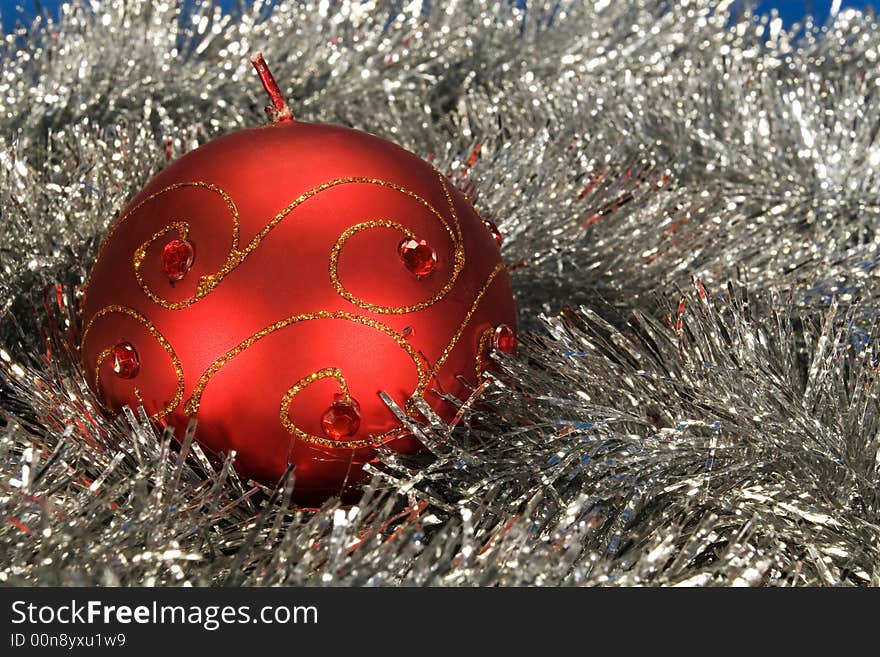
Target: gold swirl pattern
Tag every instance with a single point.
(236, 256)
(397, 310)
(482, 348)
(458, 259)
(424, 376)
(326, 373)
(467, 318)
(105, 353)
(441, 359)
(140, 253)
(233, 212)
(192, 404)
(206, 284)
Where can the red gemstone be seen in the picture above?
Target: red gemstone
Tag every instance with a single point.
(504, 339)
(342, 419)
(417, 256)
(494, 230)
(177, 259)
(125, 361)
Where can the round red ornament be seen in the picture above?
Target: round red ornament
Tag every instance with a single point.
(274, 281)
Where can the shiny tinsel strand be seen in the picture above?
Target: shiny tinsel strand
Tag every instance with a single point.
(688, 197)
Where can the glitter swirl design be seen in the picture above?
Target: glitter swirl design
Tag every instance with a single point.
(236, 255)
(105, 353)
(140, 252)
(192, 404)
(482, 350)
(425, 371)
(467, 318)
(326, 373)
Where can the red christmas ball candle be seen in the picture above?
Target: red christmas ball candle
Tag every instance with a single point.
(274, 281)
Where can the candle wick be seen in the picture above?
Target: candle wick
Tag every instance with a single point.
(278, 111)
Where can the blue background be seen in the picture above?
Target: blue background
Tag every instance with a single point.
(790, 10)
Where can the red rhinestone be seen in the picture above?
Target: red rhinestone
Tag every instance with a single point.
(504, 339)
(417, 256)
(342, 419)
(177, 259)
(125, 361)
(494, 230)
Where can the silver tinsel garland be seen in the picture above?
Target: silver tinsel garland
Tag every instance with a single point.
(689, 198)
